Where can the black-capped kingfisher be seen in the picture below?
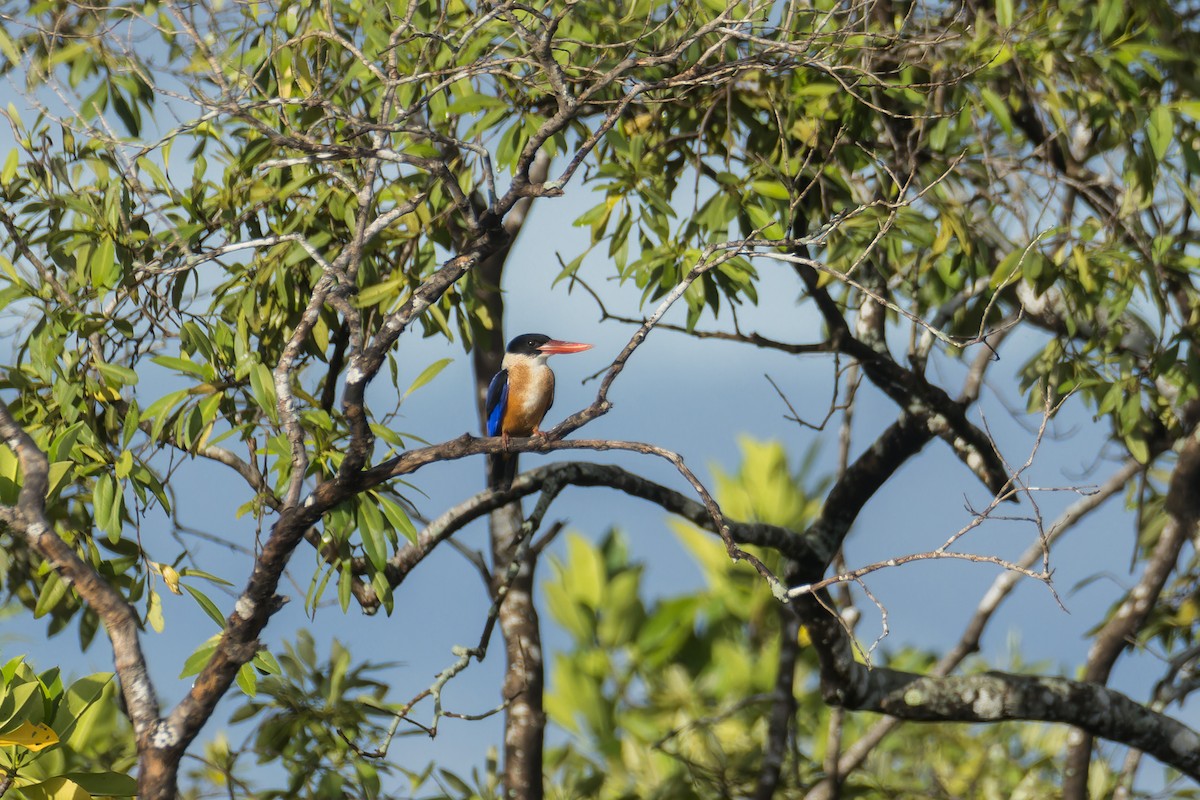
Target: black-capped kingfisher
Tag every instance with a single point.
(523, 390)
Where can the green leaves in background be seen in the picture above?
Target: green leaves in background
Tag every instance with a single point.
(57, 741)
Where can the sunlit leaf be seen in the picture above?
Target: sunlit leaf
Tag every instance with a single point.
(30, 736)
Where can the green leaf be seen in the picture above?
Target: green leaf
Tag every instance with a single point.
(9, 48)
(1004, 13)
(372, 295)
(316, 588)
(60, 475)
(208, 605)
(13, 160)
(197, 660)
(374, 536)
(1160, 131)
(427, 374)
(774, 190)
(764, 221)
(472, 103)
(1138, 447)
(81, 708)
(584, 571)
(1110, 14)
(185, 365)
(568, 613)
(109, 784)
(398, 518)
(262, 385)
(345, 589)
(58, 788)
(105, 271)
(162, 410)
(998, 109)
(106, 504)
(247, 679)
(266, 662)
(192, 572)
(27, 705)
(117, 375)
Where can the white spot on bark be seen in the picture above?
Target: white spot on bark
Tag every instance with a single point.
(1185, 742)
(244, 608)
(988, 704)
(164, 736)
(354, 375)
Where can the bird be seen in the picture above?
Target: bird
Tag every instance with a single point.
(523, 390)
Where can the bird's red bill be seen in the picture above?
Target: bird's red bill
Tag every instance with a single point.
(556, 346)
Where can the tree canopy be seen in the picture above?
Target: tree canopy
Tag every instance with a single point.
(226, 223)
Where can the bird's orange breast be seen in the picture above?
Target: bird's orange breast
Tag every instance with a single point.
(530, 393)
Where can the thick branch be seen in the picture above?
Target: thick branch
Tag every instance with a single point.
(991, 697)
(945, 417)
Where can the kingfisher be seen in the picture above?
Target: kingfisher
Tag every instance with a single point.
(523, 390)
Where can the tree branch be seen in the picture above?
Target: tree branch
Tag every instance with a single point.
(993, 697)
(119, 618)
(968, 642)
(908, 389)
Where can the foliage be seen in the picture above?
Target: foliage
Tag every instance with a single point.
(305, 714)
(667, 697)
(62, 741)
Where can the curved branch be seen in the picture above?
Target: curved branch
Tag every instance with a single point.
(120, 620)
(909, 389)
(996, 696)
(587, 475)
(991, 697)
(364, 366)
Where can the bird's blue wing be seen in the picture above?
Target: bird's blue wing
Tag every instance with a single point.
(497, 401)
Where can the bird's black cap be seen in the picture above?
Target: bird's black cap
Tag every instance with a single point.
(528, 344)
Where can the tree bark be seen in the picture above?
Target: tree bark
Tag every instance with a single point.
(525, 717)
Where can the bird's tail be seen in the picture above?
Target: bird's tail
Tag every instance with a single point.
(502, 468)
